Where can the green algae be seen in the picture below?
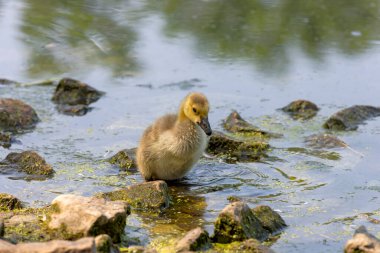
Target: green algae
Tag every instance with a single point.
(125, 159)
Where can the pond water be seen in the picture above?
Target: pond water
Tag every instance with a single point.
(252, 56)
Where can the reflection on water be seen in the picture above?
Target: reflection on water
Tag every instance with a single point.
(264, 31)
(63, 37)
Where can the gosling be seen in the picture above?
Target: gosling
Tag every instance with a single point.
(171, 146)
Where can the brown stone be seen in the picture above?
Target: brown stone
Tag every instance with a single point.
(195, 240)
(15, 115)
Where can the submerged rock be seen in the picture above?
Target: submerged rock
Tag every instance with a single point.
(350, 118)
(324, 141)
(237, 222)
(28, 162)
(5, 140)
(9, 202)
(301, 109)
(147, 195)
(270, 220)
(363, 242)
(234, 150)
(82, 216)
(195, 240)
(125, 159)
(16, 116)
(73, 97)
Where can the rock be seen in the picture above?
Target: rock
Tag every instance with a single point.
(234, 150)
(138, 249)
(237, 222)
(148, 195)
(323, 154)
(236, 124)
(350, 118)
(125, 159)
(83, 216)
(363, 242)
(195, 240)
(74, 110)
(4, 81)
(324, 141)
(28, 161)
(247, 246)
(104, 244)
(16, 116)
(2, 228)
(5, 140)
(9, 202)
(301, 109)
(270, 220)
(84, 245)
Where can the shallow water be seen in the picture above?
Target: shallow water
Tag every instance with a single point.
(252, 56)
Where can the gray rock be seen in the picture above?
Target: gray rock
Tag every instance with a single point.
(84, 245)
(362, 242)
(270, 219)
(195, 240)
(301, 109)
(237, 222)
(350, 118)
(16, 116)
(148, 195)
(83, 216)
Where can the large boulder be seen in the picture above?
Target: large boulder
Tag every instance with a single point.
(301, 109)
(234, 150)
(9, 202)
(73, 97)
(148, 195)
(195, 240)
(350, 118)
(83, 216)
(363, 242)
(28, 162)
(125, 159)
(16, 116)
(237, 222)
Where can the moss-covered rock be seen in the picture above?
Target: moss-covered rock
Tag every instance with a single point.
(104, 244)
(28, 162)
(9, 202)
(195, 240)
(270, 219)
(363, 242)
(234, 150)
(5, 140)
(301, 109)
(350, 118)
(324, 141)
(237, 222)
(80, 216)
(236, 124)
(16, 116)
(148, 195)
(247, 246)
(125, 159)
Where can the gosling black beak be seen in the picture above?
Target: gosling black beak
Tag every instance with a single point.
(205, 125)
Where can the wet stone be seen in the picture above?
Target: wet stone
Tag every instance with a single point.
(16, 116)
(324, 141)
(350, 118)
(9, 202)
(270, 220)
(74, 110)
(148, 195)
(4, 81)
(82, 216)
(195, 240)
(237, 222)
(362, 242)
(301, 109)
(5, 140)
(233, 150)
(236, 124)
(28, 162)
(124, 159)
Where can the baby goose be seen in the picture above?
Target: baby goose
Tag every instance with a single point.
(174, 143)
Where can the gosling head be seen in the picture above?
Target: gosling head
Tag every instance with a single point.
(196, 107)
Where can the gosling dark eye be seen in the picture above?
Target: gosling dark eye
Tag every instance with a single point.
(194, 110)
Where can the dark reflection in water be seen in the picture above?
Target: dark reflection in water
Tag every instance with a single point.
(263, 31)
(65, 36)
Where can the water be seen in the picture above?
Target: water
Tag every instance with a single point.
(252, 56)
